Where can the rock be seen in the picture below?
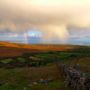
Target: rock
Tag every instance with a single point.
(35, 83)
(41, 81)
(32, 84)
(45, 81)
(25, 88)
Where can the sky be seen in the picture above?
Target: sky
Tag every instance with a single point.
(45, 21)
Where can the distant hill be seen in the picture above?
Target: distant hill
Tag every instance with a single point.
(8, 49)
(8, 44)
(11, 50)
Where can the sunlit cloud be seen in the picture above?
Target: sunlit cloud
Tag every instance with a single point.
(51, 17)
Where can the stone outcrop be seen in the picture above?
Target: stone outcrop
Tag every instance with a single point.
(74, 78)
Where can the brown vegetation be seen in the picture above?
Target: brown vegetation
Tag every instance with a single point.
(11, 50)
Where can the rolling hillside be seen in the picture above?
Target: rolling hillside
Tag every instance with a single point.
(8, 49)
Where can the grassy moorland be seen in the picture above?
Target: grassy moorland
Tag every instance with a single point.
(38, 71)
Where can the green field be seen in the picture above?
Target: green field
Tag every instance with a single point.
(21, 72)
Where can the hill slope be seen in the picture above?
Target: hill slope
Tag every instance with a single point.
(8, 49)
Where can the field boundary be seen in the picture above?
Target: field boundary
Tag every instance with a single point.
(74, 79)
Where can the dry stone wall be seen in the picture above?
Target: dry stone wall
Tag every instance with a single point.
(74, 78)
